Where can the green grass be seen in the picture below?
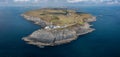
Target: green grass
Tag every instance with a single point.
(50, 16)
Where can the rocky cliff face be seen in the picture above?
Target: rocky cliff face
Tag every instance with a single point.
(44, 37)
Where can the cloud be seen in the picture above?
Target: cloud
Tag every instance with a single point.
(58, 2)
(21, 0)
(3, 1)
(95, 1)
(74, 1)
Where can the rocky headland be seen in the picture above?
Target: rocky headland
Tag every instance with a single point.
(55, 29)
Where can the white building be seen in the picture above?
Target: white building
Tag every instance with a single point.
(52, 27)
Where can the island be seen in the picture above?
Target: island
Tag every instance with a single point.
(58, 26)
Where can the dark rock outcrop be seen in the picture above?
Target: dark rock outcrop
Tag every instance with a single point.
(44, 37)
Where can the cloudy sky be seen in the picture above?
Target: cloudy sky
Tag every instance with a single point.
(58, 2)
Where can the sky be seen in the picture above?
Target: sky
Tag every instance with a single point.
(57, 2)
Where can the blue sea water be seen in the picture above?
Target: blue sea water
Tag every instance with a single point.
(103, 42)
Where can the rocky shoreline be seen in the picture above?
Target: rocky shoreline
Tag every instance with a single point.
(53, 37)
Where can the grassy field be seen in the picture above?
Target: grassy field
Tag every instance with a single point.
(59, 17)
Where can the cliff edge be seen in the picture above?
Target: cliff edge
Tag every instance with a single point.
(59, 26)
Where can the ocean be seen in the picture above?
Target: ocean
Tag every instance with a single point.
(103, 42)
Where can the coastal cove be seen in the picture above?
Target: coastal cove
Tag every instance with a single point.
(103, 42)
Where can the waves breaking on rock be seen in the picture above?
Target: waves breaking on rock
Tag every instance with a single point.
(53, 37)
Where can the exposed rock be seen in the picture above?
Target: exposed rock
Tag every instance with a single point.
(44, 37)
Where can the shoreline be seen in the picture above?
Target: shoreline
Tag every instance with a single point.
(43, 37)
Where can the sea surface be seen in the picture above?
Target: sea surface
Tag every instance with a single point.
(103, 42)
